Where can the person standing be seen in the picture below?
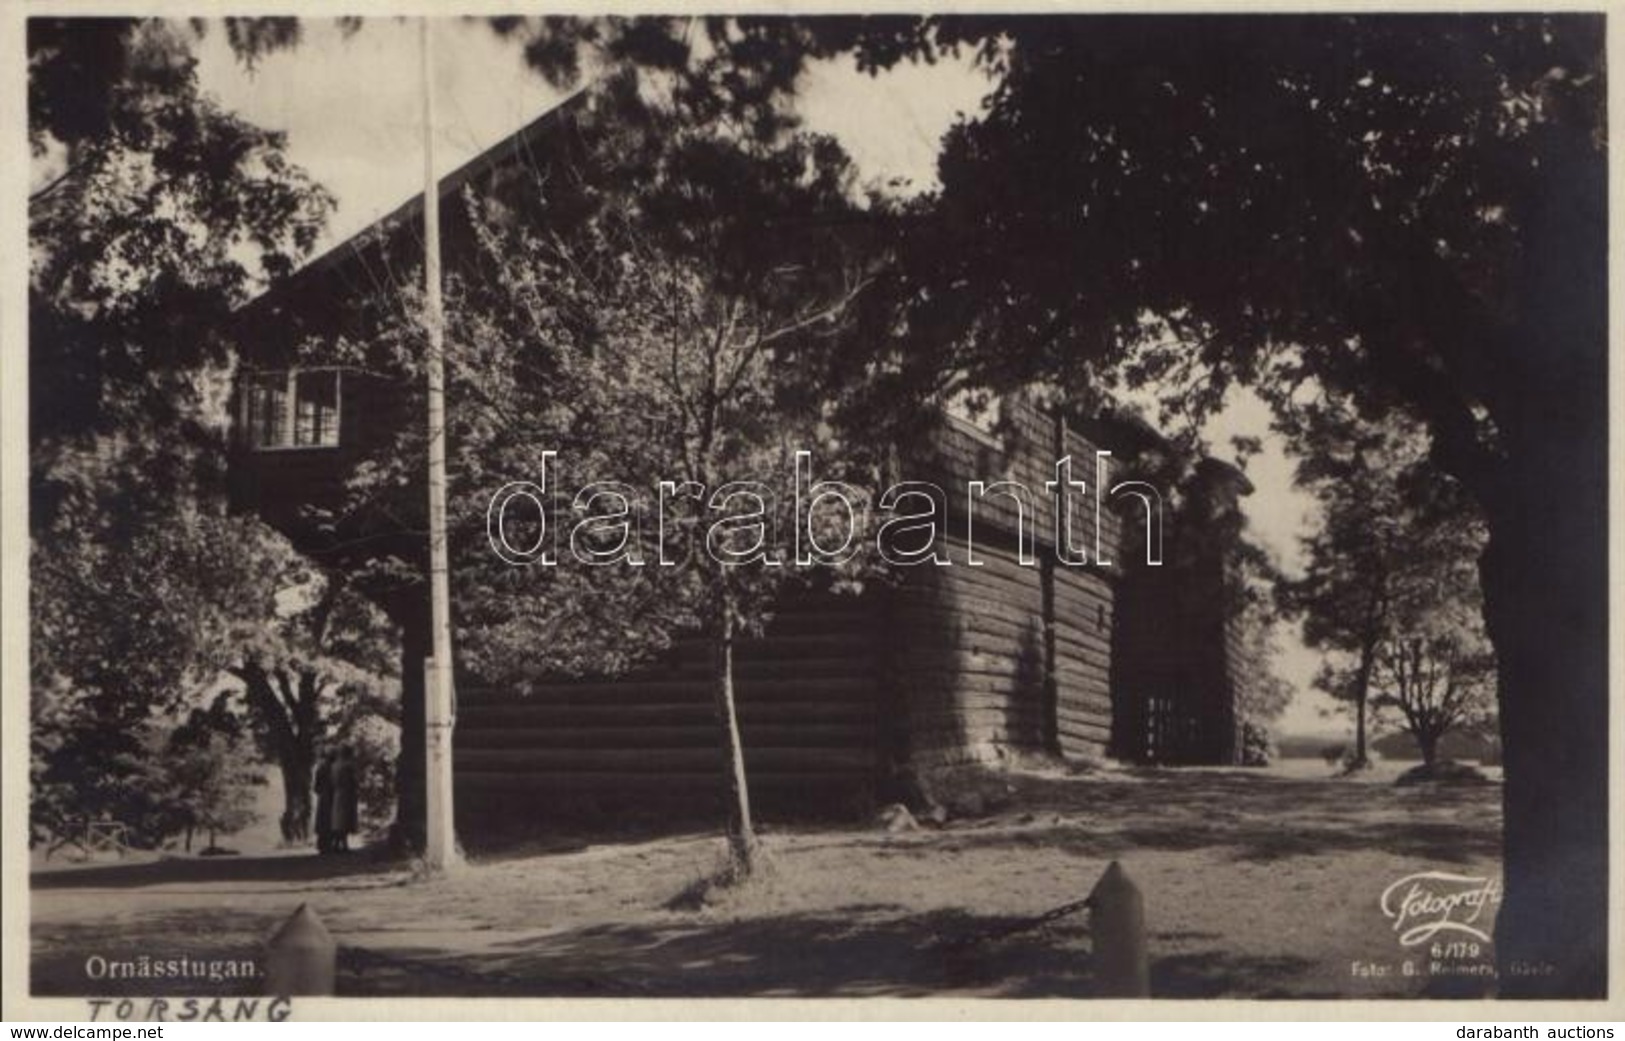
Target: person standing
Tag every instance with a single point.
(324, 804)
(346, 799)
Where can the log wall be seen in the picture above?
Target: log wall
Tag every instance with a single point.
(574, 749)
(1002, 656)
(951, 664)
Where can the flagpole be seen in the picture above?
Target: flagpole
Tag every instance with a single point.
(440, 837)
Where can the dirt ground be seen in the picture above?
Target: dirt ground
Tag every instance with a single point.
(1256, 884)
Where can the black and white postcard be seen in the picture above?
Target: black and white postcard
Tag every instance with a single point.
(960, 504)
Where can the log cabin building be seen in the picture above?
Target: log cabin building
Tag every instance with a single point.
(843, 696)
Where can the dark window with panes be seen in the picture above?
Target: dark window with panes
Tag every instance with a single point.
(291, 409)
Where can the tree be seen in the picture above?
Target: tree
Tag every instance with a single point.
(1346, 594)
(137, 604)
(155, 213)
(707, 359)
(1266, 695)
(119, 646)
(636, 323)
(1405, 213)
(1437, 684)
(1435, 670)
(307, 670)
(200, 778)
(1393, 559)
(1251, 615)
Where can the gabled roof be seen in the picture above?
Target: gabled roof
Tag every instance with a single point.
(513, 147)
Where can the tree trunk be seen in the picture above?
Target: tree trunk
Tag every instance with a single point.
(1428, 743)
(1362, 697)
(742, 846)
(1545, 605)
(1361, 760)
(408, 834)
(291, 733)
(297, 773)
(1545, 580)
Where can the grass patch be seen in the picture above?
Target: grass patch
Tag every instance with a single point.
(730, 886)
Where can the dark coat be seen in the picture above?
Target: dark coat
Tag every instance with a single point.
(346, 797)
(324, 796)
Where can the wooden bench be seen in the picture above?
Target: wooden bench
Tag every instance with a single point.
(92, 837)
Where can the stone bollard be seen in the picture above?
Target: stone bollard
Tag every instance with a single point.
(1117, 930)
(300, 958)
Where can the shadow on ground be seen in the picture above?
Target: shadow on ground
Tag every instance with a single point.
(1242, 815)
(850, 955)
(803, 955)
(806, 956)
(842, 947)
(319, 871)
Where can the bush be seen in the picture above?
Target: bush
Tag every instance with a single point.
(1257, 747)
(1443, 772)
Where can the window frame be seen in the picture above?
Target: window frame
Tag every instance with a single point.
(290, 409)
